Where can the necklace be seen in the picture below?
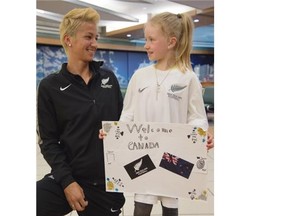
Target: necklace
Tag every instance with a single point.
(158, 85)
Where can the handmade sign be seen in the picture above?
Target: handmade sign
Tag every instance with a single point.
(156, 158)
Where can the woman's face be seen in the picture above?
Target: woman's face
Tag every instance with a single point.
(84, 43)
(156, 42)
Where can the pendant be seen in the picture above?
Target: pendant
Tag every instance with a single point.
(157, 91)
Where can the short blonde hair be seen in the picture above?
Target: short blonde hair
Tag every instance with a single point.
(73, 19)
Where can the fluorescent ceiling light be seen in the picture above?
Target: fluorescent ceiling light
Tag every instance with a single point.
(152, 8)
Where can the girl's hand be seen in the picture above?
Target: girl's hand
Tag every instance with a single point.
(210, 141)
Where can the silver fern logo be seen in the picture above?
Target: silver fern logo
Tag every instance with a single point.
(176, 88)
(104, 83)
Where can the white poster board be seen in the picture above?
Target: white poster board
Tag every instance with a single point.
(156, 158)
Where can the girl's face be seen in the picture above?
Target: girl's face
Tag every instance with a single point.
(156, 42)
(84, 43)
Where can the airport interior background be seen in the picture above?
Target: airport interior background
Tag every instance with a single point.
(121, 48)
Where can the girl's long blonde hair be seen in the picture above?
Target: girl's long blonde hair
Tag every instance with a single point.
(181, 27)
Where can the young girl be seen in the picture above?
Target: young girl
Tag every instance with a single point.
(167, 91)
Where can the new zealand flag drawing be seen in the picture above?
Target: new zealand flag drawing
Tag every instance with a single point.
(176, 165)
(139, 167)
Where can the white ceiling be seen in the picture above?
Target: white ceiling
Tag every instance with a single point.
(122, 17)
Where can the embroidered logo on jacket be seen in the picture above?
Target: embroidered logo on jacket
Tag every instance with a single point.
(104, 83)
(64, 88)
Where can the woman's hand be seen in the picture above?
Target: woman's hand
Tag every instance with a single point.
(75, 196)
(102, 134)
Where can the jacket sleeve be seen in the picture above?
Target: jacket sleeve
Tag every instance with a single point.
(196, 110)
(49, 136)
(120, 98)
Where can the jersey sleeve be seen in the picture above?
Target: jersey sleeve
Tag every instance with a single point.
(196, 110)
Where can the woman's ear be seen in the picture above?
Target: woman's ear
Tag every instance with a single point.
(67, 40)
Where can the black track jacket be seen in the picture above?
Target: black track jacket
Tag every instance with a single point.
(69, 115)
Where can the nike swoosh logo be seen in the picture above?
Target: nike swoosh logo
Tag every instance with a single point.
(63, 88)
(141, 90)
(112, 210)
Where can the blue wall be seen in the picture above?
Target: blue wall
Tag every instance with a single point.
(122, 63)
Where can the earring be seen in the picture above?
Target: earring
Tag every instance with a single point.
(69, 45)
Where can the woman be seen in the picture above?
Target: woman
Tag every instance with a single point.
(71, 105)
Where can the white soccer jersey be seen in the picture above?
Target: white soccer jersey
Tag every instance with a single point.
(177, 100)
